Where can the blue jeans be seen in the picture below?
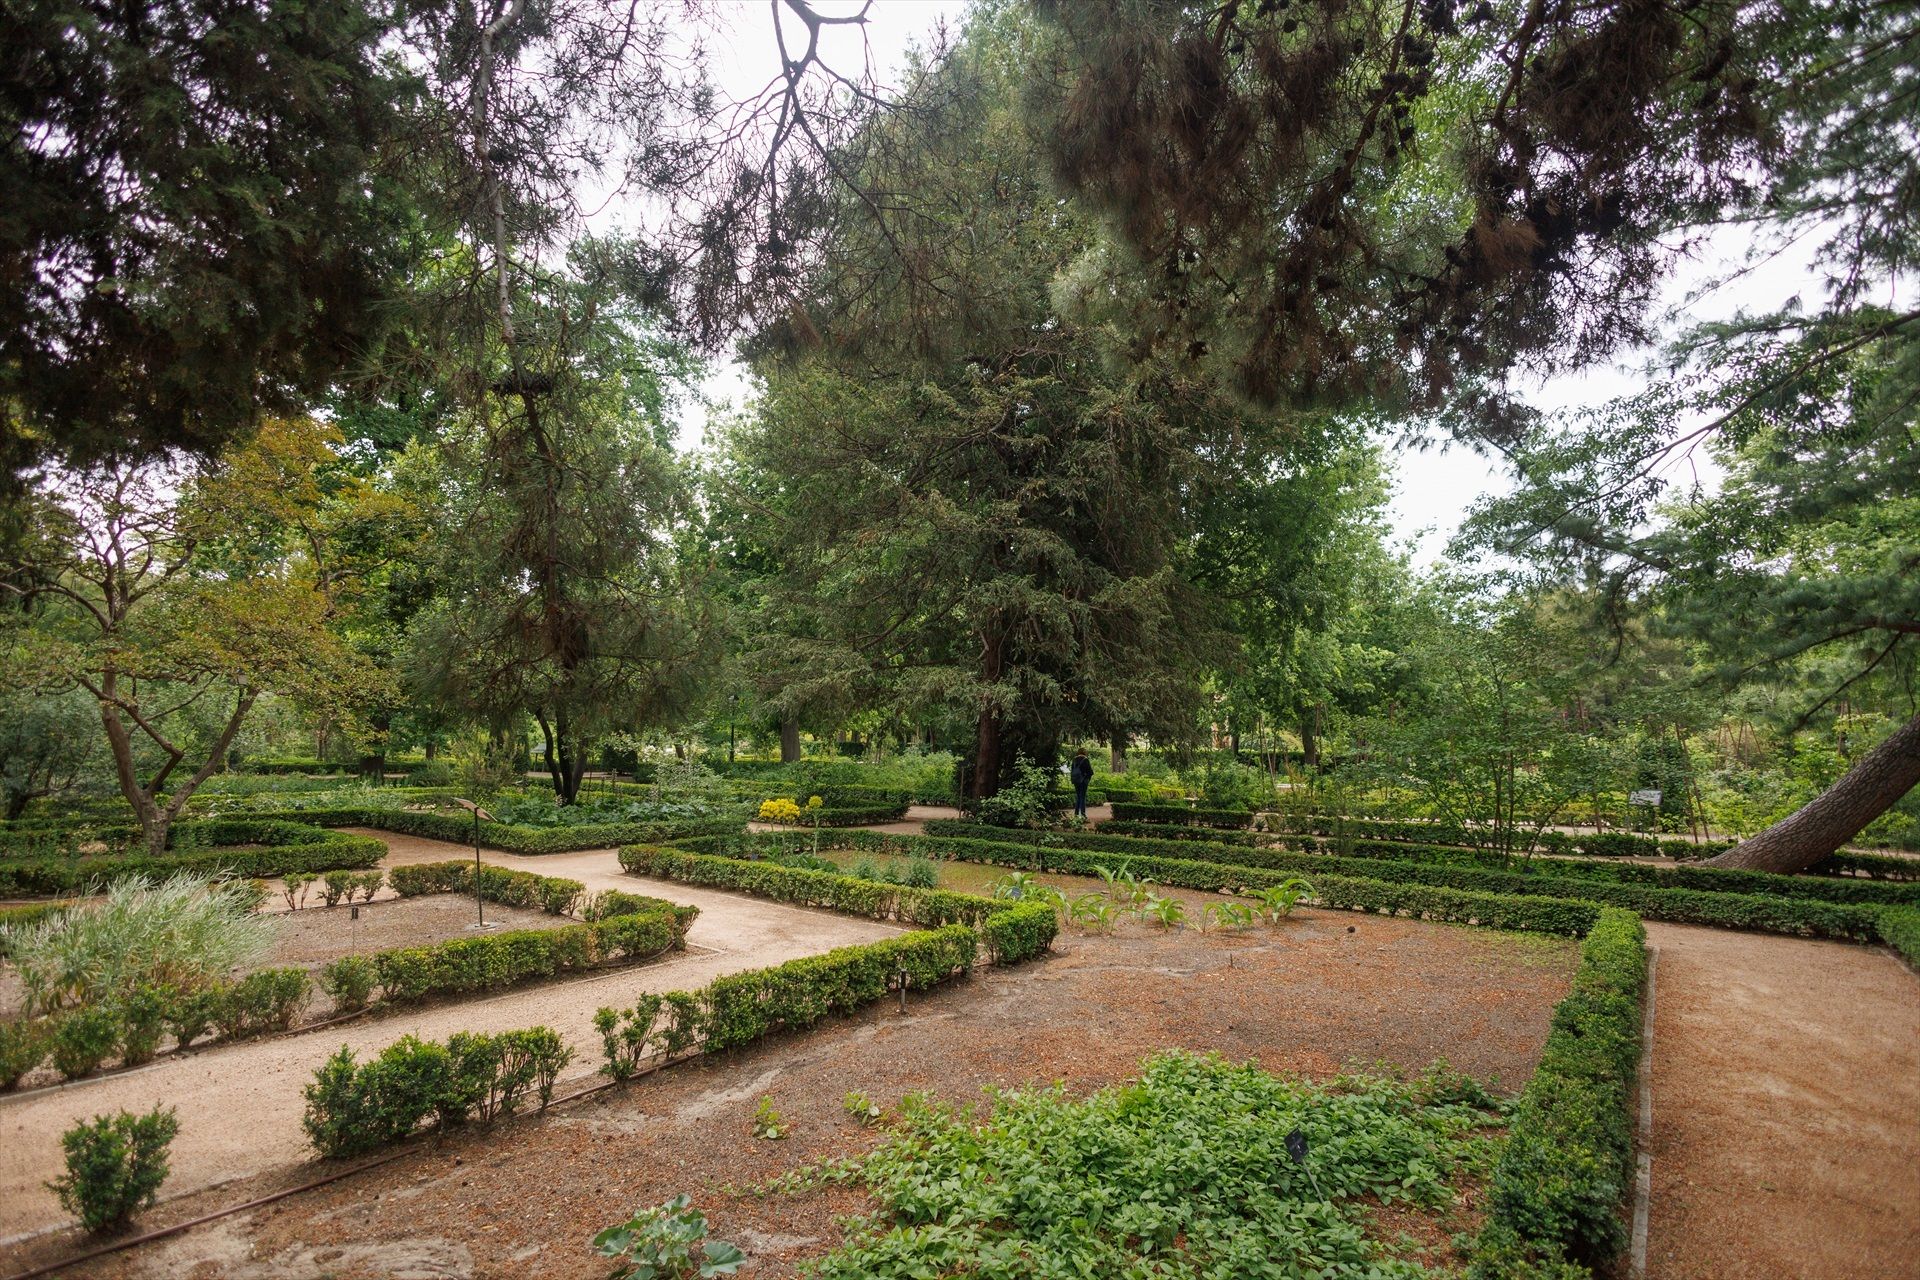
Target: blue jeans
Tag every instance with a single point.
(1080, 800)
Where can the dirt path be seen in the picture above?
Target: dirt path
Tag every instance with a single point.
(240, 1105)
(1786, 1110)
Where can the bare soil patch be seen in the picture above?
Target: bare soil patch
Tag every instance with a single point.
(1786, 1110)
(314, 935)
(1322, 992)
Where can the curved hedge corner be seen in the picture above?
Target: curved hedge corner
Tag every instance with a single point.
(742, 1007)
(1900, 929)
(290, 846)
(1554, 1205)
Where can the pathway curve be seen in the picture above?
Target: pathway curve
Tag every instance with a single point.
(240, 1105)
(1786, 1110)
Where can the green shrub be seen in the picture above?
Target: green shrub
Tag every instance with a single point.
(1900, 929)
(265, 1000)
(290, 847)
(1568, 1160)
(357, 1107)
(24, 1044)
(144, 1013)
(183, 929)
(336, 885)
(84, 1038)
(1177, 813)
(115, 1167)
(667, 1242)
(349, 980)
(193, 1011)
(613, 902)
(1652, 891)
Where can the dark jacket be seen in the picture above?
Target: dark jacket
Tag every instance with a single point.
(1080, 772)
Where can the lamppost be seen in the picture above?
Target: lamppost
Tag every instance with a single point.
(479, 903)
(732, 718)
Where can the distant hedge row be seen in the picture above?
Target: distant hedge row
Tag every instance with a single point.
(289, 847)
(457, 828)
(1239, 847)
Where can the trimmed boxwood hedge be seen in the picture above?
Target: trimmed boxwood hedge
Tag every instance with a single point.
(1704, 879)
(740, 1008)
(1426, 902)
(457, 828)
(1229, 819)
(1568, 1159)
(321, 851)
(1173, 863)
(492, 962)
(1900, 929)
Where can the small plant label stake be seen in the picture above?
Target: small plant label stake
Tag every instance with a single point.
(1297, 1150)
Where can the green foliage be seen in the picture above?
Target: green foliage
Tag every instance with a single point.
(24, 1043)
(1568, 1161)
(143, 1020)
(82, 1039)
(1183, 1172)
(1652, 891)
(1900, 929)
(355, 1107)
(493, 962)
(861, 1107)
(767, 1122)
(115, 1167)
(1230, 819)
(317, 850)
(667, 1242)
(554, 895)
(349, 980)
(181, 931)
(265, 1000)
(1025, 800)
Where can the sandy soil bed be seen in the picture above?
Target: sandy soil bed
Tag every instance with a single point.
(1319, 993)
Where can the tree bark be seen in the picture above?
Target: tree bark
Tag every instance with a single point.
(1820, 827)
(1310, 737)
(789, 741)
(1117, 754)
(984, 781)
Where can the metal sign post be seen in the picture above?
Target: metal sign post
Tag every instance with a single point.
(479, 903)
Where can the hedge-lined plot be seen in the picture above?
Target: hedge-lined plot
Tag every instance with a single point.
(288, 846)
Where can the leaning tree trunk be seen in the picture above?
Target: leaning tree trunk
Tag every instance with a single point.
(1817, 829)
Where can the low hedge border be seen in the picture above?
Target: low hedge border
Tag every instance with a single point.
(328, 851)
(856, 816)
(1797, 917)
(1351, 893)
(1701, 879)
(494, 962)
(1230, 819)
(1568, 1159)
(1900, 929)
(458, 829)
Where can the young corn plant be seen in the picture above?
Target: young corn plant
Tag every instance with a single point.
(1228, 915)
(1095, 911)
(1016, 886)
(1168, 913)
(1278, 901)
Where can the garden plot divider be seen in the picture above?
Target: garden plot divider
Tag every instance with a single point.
(1857, 892)
(457, 828)
(288, 846)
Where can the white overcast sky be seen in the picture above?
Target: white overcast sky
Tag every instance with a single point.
(1433, 490)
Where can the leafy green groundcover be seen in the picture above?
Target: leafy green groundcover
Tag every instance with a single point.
(1184, 1172)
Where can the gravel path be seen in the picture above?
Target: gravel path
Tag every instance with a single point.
(240, 1105)
(1786, 1110)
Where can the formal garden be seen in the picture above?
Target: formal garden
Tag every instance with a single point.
(960, 638)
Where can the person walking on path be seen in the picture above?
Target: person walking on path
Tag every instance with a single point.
(1080, 773)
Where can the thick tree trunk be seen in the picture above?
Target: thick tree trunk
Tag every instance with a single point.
(789, 741)
(985, 779)
(1310, 737)
(1836, 815)
(1117, 754)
